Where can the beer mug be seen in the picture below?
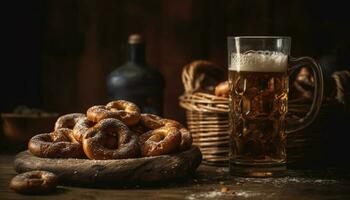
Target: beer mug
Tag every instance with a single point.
(258, 72)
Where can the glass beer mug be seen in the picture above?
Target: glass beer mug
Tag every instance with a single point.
(259, 69)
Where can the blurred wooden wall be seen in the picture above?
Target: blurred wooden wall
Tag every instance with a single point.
(81, 41)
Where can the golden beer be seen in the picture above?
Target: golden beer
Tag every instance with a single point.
(258, 106)
(258, 70)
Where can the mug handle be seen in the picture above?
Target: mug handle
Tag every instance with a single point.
(310, 116)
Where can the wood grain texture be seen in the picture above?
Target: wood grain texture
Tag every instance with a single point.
(114, 172)
(206, 184)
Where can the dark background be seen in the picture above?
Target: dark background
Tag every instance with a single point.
(57, 53)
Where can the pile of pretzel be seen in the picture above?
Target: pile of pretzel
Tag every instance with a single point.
(117, 130)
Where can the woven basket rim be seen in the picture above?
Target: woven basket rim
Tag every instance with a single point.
(203, 102)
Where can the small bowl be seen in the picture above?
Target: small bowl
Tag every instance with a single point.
(19, 128)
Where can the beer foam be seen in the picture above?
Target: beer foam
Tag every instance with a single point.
(259, 61)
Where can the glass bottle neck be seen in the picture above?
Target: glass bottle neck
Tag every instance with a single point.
(137, 53)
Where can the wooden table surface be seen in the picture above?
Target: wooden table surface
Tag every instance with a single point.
(207, 183)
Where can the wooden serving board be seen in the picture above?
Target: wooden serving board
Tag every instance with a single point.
(114, 172)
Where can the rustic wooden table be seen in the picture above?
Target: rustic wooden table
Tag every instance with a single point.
(206, 184)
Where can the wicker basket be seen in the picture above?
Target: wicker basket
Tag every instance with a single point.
(207, 115)
(208, 122)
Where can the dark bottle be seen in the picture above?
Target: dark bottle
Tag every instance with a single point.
(135, 81)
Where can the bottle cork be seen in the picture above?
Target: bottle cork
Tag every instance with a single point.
(135, 39)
